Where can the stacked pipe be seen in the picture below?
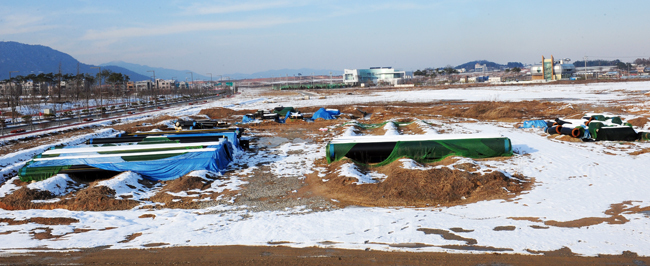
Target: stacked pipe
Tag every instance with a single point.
(564, 128)
(200, 124)
(185, 136)
(643, 136)
(596, 127)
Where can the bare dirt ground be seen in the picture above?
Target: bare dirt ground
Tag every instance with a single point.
(252, 255)
(459, 184)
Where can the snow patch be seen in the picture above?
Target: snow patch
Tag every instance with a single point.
(391, 129)
(127, 184)
(351, 131)
(296, 159)
(428, 129)
(413, 165)
(220, 184)
(351, 170)
(58, 185)
(8, 187)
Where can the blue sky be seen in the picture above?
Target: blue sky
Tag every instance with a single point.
(251, 36)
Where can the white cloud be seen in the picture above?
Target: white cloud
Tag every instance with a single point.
(203, 9)
(355, 8)
(116, 34)
(15, 24)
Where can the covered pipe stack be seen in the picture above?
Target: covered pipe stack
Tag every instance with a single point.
(382, 150)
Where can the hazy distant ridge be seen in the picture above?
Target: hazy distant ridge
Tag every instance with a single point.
(162, 73)
(166, 73)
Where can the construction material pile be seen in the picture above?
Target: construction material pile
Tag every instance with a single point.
(283, 114)
(592, 127)
(199, 124)
(381, 150)
(163, 155)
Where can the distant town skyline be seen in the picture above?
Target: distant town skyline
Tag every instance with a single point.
(254, 36)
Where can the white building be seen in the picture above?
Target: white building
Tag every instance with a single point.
(374, 75)
(480, 68)
(162, 84)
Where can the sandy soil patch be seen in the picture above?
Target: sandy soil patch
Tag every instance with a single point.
(263, 255)
(419, 188)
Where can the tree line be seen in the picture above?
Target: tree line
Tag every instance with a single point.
(105, 87)
(450, 70)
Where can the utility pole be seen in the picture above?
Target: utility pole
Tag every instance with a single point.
(211, 85)
(330, 79)
(101, 99)
(59, 85)
(77, 90)
(13, 114)
(174, 90)
(585, 67)
(192, 74)
(155, 82)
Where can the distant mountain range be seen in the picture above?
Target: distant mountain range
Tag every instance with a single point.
(28, 59)
(472, 64)
(165, 73)
(305, 72)
(161, 73)
(35, 59)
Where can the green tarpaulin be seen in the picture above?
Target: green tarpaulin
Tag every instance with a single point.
(282, 111)
(381, 150)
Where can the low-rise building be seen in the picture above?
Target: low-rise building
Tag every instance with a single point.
(144, 85)
(162, 84)
(373, 75)
(550, 69)
(480, 68)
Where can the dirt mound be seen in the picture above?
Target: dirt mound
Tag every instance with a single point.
(638, 122)
(410, 129)
(223, 113)
(566, 138)
(89, 199)
(96, 199)
(295, 129)
(509, 110)
(41, 220)
(21, 199)
(185, 183)
(406, 187)
(138, 126)
(492, 110)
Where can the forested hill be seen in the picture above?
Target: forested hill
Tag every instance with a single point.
(35, 59)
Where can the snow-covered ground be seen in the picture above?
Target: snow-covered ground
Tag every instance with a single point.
(576, 182)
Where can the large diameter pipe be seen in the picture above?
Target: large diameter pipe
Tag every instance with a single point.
(180, 139)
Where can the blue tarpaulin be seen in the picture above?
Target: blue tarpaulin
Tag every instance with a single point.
(534, 124)
(322, 113)
(247, 119)
(213, 158)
